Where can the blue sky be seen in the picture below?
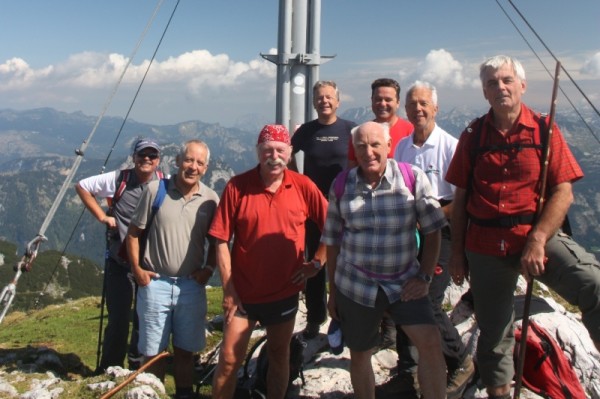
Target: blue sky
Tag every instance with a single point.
(69, 54)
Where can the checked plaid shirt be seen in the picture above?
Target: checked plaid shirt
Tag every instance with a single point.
(375, 230)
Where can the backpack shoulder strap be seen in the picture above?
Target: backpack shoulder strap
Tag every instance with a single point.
(475, 129)
(163, 187)
(121, 184)
(408, 175)
(339, 184)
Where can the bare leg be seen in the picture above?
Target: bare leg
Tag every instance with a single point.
(432, 366)
(158, 368)
(361, 374)
(233, 349)
(278, 351)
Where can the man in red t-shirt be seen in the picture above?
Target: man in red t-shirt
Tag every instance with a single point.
(385, 102)
(493, 226)
(265, 209)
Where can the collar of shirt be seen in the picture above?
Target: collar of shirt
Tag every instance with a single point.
(385, 181)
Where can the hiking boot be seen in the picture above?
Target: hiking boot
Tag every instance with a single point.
(135, 360)
(311, 331)
(459, 379)
(403, 385)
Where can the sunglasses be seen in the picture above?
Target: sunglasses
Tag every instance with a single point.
(151, 155)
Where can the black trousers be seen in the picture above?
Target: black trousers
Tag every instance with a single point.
(315, 292)
(120, 291)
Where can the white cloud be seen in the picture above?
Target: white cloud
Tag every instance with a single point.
(440, 68)
(592, 66)
(94, 70)
(16, 74)
(193, 84)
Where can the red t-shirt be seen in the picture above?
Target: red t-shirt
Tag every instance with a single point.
(507, 182)
(268, 230)
(400, 130)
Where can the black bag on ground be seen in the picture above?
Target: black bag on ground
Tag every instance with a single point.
(255, 386)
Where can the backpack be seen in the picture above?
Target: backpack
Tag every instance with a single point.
(163, 187)
(255, 385)
(540, 141)
(547, 371)
(121, 185)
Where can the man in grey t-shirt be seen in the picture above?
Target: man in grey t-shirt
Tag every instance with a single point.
(171, 273)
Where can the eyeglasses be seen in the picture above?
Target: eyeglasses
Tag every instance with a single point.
(151, 155)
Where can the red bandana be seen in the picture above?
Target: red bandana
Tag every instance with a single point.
(274, 133)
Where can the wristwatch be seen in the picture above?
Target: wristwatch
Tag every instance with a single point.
(424, 276)
(317, 264)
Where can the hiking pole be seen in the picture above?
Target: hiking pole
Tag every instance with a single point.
(529, 292)
(132, 376)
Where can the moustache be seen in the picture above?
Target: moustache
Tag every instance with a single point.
(275, 162)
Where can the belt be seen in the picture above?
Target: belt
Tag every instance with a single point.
(504, 221)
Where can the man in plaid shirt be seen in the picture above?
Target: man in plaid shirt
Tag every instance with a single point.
(372, 263)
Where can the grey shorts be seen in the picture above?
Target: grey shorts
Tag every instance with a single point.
(360, 324)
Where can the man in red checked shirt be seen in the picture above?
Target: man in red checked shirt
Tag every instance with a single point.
(265, 209)
(493, 228)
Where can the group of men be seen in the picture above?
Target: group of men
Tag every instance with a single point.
(273, 232)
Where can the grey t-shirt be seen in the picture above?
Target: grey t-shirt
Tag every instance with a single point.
(105, 185)
(177, 236)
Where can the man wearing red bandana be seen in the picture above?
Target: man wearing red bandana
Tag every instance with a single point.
(265, 209)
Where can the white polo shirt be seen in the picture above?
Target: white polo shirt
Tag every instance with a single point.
(433, 157)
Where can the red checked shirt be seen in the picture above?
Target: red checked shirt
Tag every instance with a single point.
(506, 183)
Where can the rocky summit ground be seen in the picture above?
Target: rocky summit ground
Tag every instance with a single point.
(35, 372)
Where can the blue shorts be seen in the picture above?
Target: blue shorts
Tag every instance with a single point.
(171, 306)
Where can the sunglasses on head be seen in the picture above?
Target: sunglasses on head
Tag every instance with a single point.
(151, 155)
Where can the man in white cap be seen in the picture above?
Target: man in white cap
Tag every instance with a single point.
(124, 188)
(266, 209)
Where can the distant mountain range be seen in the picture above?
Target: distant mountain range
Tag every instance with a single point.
(37, 150)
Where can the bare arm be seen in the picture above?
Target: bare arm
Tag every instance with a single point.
(95, 209)
(231, 301)
(202, 275)
(308, 269)
(447, 209)
(552, 216)
(416, 288)
(142, 277)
